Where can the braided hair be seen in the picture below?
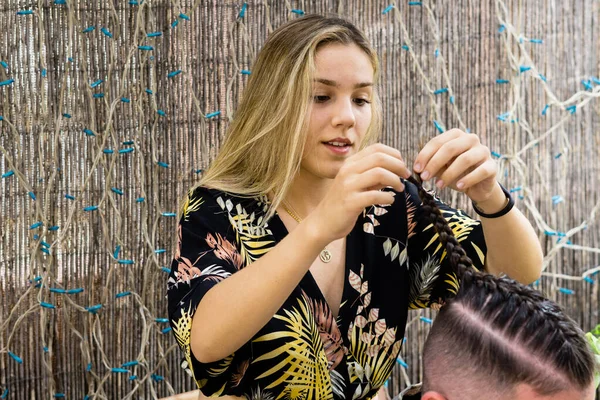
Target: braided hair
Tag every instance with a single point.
(456, 255)
(499, 329)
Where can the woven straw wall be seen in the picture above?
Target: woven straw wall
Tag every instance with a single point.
(109, 110)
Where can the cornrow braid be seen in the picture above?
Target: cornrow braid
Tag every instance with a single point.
(539, 326)
(457, 257)
(531, 339)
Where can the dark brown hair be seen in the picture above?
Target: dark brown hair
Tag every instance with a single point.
(500, 330)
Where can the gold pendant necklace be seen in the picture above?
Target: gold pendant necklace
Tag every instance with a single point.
(325, 255)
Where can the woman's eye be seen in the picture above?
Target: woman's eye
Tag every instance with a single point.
(361, 102)
(321, 99)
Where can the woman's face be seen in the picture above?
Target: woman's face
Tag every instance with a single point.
(341, 108)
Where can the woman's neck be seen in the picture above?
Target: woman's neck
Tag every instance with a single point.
(306, 192)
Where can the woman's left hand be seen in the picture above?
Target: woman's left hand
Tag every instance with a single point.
(458, 160)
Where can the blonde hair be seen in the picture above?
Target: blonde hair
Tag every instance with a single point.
(263, 148)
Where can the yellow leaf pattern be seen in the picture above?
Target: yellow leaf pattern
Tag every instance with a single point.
(394, 261)
(191, 204)
(249, 235)
(303, 367)
(182, 328)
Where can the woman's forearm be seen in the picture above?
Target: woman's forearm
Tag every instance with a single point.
(236, 308)
(513, 247)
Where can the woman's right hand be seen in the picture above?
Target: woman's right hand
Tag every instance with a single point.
(357, 186)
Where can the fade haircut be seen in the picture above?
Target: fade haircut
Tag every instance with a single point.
(497, 333)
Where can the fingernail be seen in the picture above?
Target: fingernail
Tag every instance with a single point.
(460, 185)
(425, 175)
(439, 183)
(417, 167)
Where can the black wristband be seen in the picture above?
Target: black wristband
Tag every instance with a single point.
(504, 211)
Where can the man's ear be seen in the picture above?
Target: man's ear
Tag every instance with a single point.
(431, 395)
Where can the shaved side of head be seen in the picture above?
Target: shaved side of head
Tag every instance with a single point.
(497, 334)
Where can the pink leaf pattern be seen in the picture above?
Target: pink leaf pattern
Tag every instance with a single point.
(328, 330)
(224, 250)
(186, 271)
(364, 288)
(366, 337)
(380, 327)
(355, 281)
(360, 321)
(389, 337)
(411, 208)
(239, 374)
(373, 314)
(379, 211)
(367, 300)
(372, 351)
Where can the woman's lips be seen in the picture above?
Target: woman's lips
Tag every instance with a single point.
(338, 150)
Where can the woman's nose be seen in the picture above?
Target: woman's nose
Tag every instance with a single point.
(344, 113)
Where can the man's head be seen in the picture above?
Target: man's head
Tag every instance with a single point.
(500, 340)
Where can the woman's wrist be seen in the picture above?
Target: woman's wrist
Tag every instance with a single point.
(314, 233)
(495, 203)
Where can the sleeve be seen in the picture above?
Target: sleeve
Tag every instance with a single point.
(431, 279)
(205, 255)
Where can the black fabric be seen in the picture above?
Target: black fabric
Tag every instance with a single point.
(394, 261)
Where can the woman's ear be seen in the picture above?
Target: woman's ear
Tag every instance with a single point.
(431, 395)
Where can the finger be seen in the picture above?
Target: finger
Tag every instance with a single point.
(432, 147)
(437, 180)
(481, 173)
(377, 177)
(376, 148)
(383, 160)
(463, 165)
(446, 153)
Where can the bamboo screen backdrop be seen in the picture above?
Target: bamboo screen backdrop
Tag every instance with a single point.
(110, 110)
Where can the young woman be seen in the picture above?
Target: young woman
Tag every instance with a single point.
(303, 247)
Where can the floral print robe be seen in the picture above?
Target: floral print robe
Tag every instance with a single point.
(394, 262)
